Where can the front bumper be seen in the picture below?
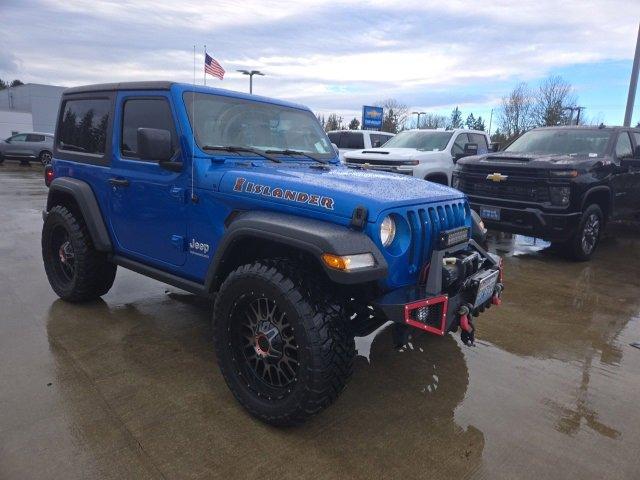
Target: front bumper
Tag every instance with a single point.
(442, 311)
(533, 222)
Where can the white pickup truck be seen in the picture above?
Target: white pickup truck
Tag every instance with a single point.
(350, 140)
(427, 154)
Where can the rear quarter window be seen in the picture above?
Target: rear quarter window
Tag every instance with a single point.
(83, 126)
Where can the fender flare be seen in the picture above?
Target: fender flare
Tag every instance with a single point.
(313, 236)
(600, 188)
(84, 197)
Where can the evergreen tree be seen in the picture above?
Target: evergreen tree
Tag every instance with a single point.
(479, 124)
(471, 122)
(354, 124)
(456, 119)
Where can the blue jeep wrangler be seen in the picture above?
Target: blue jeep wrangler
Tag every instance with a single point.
(243, 199)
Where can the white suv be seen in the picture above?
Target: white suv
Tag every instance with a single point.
(427, 154)
(349, 140)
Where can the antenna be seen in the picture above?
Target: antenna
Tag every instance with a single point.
(194, 198)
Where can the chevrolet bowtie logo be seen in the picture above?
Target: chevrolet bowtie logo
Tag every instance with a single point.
(497, 177)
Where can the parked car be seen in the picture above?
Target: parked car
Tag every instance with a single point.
(561, 184)
(427, 154)
(349, 140)
(26, 147)
(242, 200)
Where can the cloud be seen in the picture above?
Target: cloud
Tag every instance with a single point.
(330, 55)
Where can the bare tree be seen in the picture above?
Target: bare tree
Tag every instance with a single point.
(395, 115)
(334, 122)
(516, 111)
(432, 120)
(553, 97)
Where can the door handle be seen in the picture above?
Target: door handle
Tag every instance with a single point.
(119, 182)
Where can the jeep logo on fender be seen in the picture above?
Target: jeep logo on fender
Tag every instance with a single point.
(242, 185)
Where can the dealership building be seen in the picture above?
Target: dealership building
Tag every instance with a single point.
(29, 108)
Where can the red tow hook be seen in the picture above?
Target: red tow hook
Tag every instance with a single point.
(497, 295)
(465, 324)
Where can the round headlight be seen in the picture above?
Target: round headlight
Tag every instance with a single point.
(387, 231)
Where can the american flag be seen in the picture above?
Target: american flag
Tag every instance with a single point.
(212, 67)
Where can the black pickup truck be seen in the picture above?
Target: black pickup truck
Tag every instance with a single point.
(561, 184)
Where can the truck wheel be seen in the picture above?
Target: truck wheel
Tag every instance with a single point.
(45, 158)
(76, 271)
(282, 345)
(585, 241)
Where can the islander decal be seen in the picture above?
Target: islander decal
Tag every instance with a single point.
(242, 185)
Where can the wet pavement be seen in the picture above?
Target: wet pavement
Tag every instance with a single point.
(128, 387)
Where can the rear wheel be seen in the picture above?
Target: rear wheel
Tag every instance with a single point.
(45, 158)
(76, 271)
(586, 239)
(282, 345)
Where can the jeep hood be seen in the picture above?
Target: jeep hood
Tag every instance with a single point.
(334, 190)
(389, 154)
(542, 161)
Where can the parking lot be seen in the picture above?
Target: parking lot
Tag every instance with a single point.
(128, 387)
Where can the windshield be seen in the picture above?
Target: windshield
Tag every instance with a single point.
(562, 142)
(226, 121)
(421, 140)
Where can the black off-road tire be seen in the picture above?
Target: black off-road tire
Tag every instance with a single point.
(579, 249)
(324, 349)
(65, 234)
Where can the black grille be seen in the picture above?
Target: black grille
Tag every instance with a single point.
(527, 192)
(426, 224)
(510, 170)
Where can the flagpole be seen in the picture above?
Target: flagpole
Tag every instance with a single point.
(204, 74)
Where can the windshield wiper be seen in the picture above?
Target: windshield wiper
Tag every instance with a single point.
(296, 152)
(233, 149)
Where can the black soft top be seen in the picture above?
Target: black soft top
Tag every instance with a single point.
(111, 87)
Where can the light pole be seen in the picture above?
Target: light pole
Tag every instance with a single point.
(251, 73)
(418, 114)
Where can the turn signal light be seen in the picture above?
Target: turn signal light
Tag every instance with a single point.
(48, 175)
(348, 262)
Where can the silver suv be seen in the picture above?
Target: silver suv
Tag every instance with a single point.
(26, 147)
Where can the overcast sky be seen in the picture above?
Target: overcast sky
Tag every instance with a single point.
(334, 56)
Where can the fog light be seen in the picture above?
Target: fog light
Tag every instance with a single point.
(560, 195)
(421, 314)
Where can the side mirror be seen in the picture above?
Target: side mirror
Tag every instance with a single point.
(154, 144)
(335, 149)
(470, 149)
(630, 164)
(636, 152)
(494, 147)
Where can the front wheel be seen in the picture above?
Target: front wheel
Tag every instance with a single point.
(586, 239)
(282, 345)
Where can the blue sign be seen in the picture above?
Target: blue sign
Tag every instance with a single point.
(372, 118)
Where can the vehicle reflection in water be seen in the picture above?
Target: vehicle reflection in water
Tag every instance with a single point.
(578, 315)
(154, 366)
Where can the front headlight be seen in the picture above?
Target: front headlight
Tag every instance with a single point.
(387, 231)
(560, 195)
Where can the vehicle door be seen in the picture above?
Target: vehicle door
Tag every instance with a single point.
(148, 203)
(457, 149)
(634, 175)
(16, 146)
(35, 143)
(481, 141)
(622, 180)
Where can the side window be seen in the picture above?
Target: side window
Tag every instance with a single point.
(353, 140)
(22, 137)
(144, 113)
(458, 144)
(623, 146)
(83, 125)
(481, 140)
(636, 137)
(34, 137)
(377, 139)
